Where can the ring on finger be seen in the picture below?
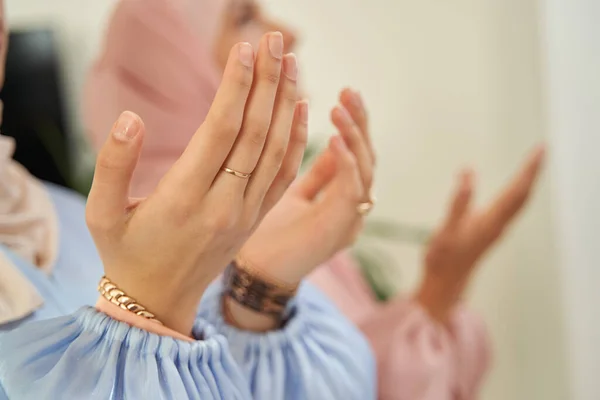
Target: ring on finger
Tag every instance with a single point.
(235, 173)
(366, 207)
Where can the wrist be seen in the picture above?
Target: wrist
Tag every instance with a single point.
(252, 302)
(246, 318)
(438, 296)
(119, 314)
(171, 308)
(276, 270)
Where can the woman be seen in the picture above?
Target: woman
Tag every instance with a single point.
(428, 346)
(144, 339)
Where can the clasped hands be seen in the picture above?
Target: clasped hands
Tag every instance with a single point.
(234, 193)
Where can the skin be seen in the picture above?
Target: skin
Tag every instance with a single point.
(319, 211)
(176, 245)
(246, 21)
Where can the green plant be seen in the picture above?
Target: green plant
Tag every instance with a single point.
(375, 263)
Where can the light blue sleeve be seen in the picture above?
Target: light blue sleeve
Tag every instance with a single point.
(88, 355)
(318, 354)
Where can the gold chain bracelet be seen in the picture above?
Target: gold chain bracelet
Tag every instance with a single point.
(112, 293)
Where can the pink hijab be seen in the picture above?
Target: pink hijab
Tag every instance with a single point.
(157, 62)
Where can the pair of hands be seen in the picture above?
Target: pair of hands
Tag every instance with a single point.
(165, 249)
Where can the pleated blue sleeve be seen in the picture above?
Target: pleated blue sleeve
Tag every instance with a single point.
(88, 355)
(318, 354)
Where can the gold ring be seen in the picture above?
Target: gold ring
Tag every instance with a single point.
(236, 173)
(366, 207)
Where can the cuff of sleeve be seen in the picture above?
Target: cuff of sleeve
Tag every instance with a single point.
(295, 317)
(38, 357)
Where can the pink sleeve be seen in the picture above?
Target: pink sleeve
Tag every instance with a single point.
(417, 358)
(420, 359)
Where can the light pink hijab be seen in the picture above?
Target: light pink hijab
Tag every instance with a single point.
(157, 62)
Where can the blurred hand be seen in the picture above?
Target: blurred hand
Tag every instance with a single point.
(317, 217)
(467, 235)
(165, 249)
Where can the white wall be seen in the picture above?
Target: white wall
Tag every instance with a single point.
(572, 64)
(448, 84)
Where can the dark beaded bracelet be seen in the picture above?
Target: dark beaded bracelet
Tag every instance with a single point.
(252, 291)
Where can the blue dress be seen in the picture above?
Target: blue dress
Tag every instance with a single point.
(68, 350)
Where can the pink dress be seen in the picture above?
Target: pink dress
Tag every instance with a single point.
(417, 358)
(155, 64)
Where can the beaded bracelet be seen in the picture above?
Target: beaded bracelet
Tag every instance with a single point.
(248, 288)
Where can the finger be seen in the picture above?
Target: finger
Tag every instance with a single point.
(345, 191)
(316, 179)
(461, 202)
(352, 101)
(212, 142)
(516, 194)
(116, 161)
(260, 111)
(293, 158)
(351, 134)
(278, 138)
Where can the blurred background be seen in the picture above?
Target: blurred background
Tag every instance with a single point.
(448, 84)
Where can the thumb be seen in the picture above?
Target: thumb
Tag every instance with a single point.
(346, 188)
(319, 175)
(109, 195)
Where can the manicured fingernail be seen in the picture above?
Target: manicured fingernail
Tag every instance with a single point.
(303, 111)
(290, 66)
(246, 54)
(127, 127)
(276, 45)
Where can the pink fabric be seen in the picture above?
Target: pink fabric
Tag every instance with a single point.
(157, 62)
(417, 358)
(116, 312)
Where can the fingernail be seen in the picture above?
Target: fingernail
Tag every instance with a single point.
(290, 66)
(127, 127)
(276, 45)
(246, 54)
(303, 111)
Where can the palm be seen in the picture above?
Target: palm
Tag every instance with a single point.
(467, 235)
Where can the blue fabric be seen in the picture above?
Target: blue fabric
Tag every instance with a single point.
(86, 355)
(78, 268)
(317, 355)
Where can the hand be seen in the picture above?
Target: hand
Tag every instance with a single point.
(467, 235)
(165, 249)
(317, 217)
